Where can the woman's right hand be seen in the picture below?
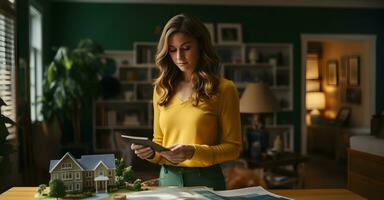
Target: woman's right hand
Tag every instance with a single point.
(142, 151)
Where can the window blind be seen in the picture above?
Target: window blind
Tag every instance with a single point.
(7, 59)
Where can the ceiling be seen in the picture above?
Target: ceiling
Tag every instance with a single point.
(301, 3)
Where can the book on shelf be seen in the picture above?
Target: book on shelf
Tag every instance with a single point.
(145, 142)
(256, 193)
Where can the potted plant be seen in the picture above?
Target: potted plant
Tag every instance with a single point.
(70, 82)
(5, 148)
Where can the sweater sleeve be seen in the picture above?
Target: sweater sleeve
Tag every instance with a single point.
(229, 122)
(157, 133)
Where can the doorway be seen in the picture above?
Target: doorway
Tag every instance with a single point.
(337, 80)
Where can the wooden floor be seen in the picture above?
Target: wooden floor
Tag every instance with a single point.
(324, 172)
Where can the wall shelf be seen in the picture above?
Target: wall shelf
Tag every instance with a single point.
(132, 110)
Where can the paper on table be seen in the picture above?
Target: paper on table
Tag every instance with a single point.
(247, 191)
(204, 193)
(171, 193)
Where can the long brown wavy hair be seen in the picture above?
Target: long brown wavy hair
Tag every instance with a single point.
(206, 76)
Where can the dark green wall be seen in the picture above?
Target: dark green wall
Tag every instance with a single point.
(117, 26)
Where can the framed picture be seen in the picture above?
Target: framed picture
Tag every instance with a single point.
(211, 29)
(353, 71)
(343, 115)
(343, 69)
(332, 72)
(229, 33)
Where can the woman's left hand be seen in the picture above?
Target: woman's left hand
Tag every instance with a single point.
(178, 153)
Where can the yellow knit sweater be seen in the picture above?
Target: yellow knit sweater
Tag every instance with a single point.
(212, 127)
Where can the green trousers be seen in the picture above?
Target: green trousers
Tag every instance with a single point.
(211, 177)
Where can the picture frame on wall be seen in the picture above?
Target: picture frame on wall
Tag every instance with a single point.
(353, 71)
(229, 33)
(211, 29)
(343, 115)
(343, 69)
(332, 72)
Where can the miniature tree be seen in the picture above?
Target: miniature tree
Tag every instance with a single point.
(119, 166)
(119, 179)
(41, 188)
(57, 188)
(137, 185)
(128, 174)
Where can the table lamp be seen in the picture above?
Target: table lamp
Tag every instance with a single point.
(315, 101)
(258, 99)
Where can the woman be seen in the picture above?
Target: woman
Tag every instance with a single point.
(196, 112)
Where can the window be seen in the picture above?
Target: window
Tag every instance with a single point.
(110, 173)
(89, 174)
(77, 186)
(77, 175)
(36, 64)
(66, 166)
(7, 61)
(68, 187)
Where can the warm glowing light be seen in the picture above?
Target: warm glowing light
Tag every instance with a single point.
(315, 100)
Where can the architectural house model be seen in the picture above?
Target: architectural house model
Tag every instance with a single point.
(89, 171)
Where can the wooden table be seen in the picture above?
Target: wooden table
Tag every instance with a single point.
(25, 193)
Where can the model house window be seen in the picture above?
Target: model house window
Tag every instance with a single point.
(66, 176)
(7, 61)
(110, 173)
(101, 173)
(77, 186)
(36, 64)
(69, 187)
(77, 175)
(66, 166)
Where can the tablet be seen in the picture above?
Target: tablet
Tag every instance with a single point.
(145, 142)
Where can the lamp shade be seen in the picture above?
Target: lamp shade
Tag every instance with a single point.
(315, 100)
(258, 98)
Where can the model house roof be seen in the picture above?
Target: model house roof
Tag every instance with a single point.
(87, 162)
